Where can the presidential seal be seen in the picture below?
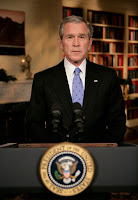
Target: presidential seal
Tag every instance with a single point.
(67, 169)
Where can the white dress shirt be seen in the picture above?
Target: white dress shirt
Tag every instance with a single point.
(69, 69)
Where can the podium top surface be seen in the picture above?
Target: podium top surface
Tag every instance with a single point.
(48, 145)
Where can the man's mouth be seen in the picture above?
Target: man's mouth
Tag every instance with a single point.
(76, 51)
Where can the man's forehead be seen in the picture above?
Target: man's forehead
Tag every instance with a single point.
(75, 24)
(80, 28)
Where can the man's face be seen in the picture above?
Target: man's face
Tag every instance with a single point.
(75, 42)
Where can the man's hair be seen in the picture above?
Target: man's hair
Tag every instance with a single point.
(77, 20)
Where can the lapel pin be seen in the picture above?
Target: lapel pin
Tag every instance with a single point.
(95, 81)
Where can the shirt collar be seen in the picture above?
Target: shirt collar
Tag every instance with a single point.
(69, 68)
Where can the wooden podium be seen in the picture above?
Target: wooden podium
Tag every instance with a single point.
(115, 167)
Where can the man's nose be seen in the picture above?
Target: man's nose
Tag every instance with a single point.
(76, 41)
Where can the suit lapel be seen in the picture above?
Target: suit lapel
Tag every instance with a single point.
(92, 82)
(62, 89)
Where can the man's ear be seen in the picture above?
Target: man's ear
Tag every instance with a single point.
(60, 43)
(90, 44)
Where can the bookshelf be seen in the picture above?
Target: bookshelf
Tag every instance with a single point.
(108, 39)
(133, 51)
(115, 44)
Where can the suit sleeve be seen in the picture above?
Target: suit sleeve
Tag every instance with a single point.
(116, 119)
(36, 112)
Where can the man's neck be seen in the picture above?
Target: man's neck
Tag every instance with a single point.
(76, 64)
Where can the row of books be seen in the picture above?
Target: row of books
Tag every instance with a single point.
(119, 73)
(132, 107)
(135, 83)
(106, 60)
(133, 35)
(133, 21)
(72, 11)
(133, 73)
(132, 113)
(133, 61)
(108, 32)
(100, 46)
(107, 47)
(97, 31)
(132, 48)
(113, 33)
(105, 18)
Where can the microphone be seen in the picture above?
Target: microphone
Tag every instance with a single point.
(56, 118)
(57, 128)
(78, 117)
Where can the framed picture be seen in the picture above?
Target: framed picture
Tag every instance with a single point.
(12, 36)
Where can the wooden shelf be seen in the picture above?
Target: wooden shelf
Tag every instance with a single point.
(107, 40)
(132, 28)
(133, 41)
(106, 25)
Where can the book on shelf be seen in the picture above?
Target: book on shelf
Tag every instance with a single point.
(68, 11)
(133, 61)
(97, 32)
(92, 58)
(132, 109)
(119, 47)
(132, 48)
(133, 21)
(133, 35)
(133, 73)
(132, 88)
(120, 60)
(135, 83)
(132, 113)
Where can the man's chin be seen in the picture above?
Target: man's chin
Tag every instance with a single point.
(76, 62)
(76, 59)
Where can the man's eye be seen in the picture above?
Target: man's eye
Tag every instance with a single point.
(69, 37)
(82, 37)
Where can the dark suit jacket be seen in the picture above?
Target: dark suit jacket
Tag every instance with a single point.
(103, 105)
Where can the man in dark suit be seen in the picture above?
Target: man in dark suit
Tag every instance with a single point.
(102, 107)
